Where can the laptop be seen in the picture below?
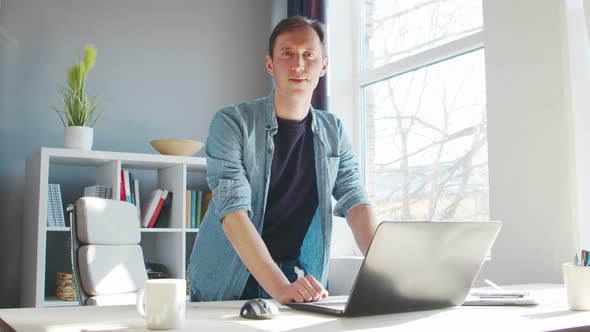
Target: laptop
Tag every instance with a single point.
(413, 266)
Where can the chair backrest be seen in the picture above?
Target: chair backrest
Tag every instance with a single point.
(107, 260)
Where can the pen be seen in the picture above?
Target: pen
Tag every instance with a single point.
(505, 296)
(487, 281)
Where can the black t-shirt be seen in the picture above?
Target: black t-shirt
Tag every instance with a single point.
(293, 195)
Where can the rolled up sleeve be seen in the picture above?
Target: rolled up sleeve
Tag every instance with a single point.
(226, 175)
(348, 190)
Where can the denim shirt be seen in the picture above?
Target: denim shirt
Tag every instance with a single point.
(239, 152)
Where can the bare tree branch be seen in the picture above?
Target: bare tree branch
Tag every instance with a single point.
(463, 132)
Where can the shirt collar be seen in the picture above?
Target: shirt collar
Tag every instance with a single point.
(271, 116)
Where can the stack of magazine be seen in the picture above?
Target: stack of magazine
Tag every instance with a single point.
(98, 191)
(55, 212)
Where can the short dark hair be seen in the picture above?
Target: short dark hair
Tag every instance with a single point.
(296, 22)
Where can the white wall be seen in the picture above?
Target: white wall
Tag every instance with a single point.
(531, 163)
(578, 51)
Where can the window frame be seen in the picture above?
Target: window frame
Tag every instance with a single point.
(365, 77)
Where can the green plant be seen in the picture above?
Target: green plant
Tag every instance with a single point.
(78, 108)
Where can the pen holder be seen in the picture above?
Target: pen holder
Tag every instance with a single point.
(577, 286)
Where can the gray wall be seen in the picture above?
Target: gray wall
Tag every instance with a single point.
(163, 69)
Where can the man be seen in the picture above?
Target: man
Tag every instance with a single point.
(273, 165)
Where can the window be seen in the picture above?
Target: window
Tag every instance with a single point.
(424, 110)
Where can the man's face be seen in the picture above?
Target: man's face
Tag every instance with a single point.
(298, 62)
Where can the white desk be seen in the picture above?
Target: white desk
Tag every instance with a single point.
(551, 314)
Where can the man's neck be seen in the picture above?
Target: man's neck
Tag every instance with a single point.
(291, 107)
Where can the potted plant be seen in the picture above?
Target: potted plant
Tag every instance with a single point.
(78, 114)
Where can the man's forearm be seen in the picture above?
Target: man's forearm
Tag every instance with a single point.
(253, 252)
(362, 220)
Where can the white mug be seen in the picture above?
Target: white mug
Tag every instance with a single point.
(163, 303)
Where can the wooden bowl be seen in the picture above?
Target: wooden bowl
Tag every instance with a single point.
(177, 147)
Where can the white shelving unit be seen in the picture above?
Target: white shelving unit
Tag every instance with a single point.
(168, 246)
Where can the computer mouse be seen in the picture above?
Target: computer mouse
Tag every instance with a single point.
(259, 309)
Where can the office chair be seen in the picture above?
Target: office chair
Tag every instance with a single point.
(107, 260)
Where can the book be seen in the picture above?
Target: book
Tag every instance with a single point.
(150, 207)
(154, 217)
(122, 186)
(51, 221)
(55, 206)
(163, 219)
(132, 187)
(188, 209)
(206, 202)
(60, 207)
(136, 193)
(127, 186)
(193, 208)
(198, 209)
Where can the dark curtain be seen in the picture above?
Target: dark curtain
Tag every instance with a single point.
(314, 9)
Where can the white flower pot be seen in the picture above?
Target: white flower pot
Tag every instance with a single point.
(78, 137)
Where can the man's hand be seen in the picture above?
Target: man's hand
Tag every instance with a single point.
(305, 289)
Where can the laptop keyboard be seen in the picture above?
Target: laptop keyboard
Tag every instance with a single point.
(331, 302)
